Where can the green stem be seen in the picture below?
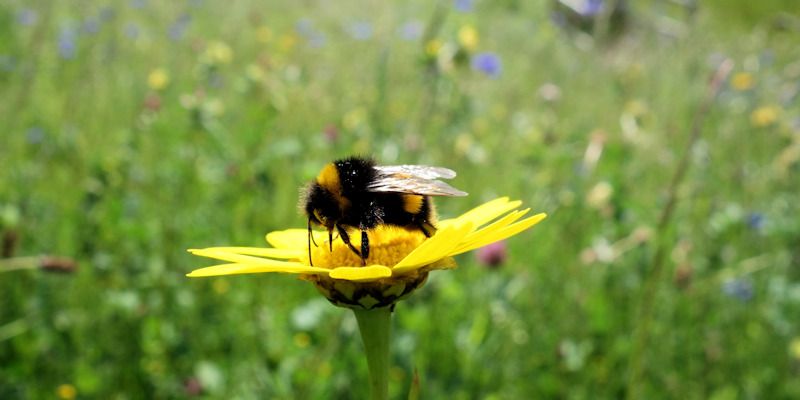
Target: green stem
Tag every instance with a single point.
(376, 330)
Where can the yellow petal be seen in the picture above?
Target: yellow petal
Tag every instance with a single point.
(487, 212)
(295, 238)
(361, 274)
(503, 233)
(243, 268)
(240, 258)
(259, 251)
(495, 226)
(437, 247)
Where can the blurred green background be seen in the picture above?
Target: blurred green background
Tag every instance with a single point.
(133, 130)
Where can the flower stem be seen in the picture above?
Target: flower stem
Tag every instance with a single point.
(376, 329)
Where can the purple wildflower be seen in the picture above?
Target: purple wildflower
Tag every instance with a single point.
(492, 255)
(361, 30)
(138, 3)
(463, 5)
(592, 8)
(488, 63)
(411, 30)
(67, 43)
(34, 135)
(27, 17)
(178, 28)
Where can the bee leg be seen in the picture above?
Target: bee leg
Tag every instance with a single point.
(346, 239)
(364, 247)
(427, 228)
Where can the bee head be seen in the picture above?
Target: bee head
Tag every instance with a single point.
(321, 206)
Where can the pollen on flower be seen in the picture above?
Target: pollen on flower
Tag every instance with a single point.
(387, 246)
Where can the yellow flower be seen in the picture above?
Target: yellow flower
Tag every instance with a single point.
(398, 263)
(794, 348)
(66, 391)
(743, 81)
(158, 79)
(468, 37)
(764, 116)
(219, 52)
(264, 34)
(432, 47)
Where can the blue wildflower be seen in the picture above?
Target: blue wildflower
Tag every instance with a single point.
(755, 220)
(138, 3)
(592, 8)
(177, 30)
(67, 43)
(27, 17)
(740, 289)
(463, 5)
(132, 31)
(361, 30)
(411, 30)
(91, 25)
(488, 63)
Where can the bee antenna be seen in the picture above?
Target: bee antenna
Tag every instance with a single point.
(330, 240)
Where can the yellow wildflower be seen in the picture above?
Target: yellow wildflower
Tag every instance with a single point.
(743, 81)
(287, 42)
(794, 348)
(468, 37)
(764, 116)
(219, 52)
(158, 79)
(399, 260)
(264, 34)
(432, 47)
(66, 391)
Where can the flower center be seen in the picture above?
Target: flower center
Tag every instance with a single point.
(387, 246)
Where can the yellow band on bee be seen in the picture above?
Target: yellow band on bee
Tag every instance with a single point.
(412, 203)
(328, 178)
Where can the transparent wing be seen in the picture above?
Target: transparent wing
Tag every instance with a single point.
(421, 171)
(416, 179)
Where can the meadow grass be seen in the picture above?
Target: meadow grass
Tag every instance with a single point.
(132, 131)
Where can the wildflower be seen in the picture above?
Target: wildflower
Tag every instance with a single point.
(550, 92)
(488, 63)
(399, 260)
(193, 387)
(91, 25)
(463, 5)
(743, 81)
(599, 195)
(740, 289)
(764, 116)
(755, 221)
(177, 30)
(218, 52)
(27, 17)
(492, 255)
(330, 133)
(67, 43)
(263, 34)
(468, 37)
(432, 47)
(411, 30)
(794, 348)
(132, 31)
(361, 30)
(158, 79)
(138, 4)
(66, 391)
(592, 8)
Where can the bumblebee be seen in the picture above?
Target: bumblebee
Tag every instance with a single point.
(355, 193)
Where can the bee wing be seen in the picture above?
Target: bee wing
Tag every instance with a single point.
(416, 179)
(421, 171)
